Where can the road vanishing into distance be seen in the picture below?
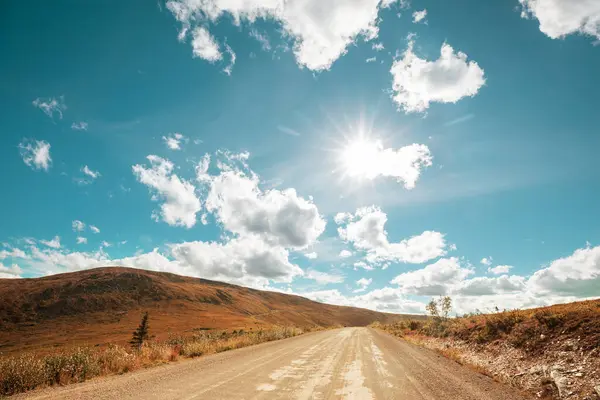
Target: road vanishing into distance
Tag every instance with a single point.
(348, 363)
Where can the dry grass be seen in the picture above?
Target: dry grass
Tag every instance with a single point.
(529, 330)
(28, 371)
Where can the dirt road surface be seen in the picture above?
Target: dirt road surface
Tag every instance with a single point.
(348, 363)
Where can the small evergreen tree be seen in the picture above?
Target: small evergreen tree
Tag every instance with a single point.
(140, 335)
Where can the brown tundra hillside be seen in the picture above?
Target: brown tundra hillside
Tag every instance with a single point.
(104, 305)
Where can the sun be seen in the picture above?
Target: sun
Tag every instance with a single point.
(359, 158)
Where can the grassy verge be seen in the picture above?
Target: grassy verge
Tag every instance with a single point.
(29, 371)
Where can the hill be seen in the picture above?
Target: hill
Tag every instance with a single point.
(104, 305)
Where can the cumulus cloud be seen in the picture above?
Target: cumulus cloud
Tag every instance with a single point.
(12, 272)
(323, 277)
(419, 16)
(321, 31)
(559, 18)
(577, 275)
(179, 201)
(279, 216)
(94, 229)
(345, 253)
(79, 126)
(36, 154)
(418, 82)
(485, 286)
(370, 160)
(486, 261)
(500, 269)
(311, 256)
(435, 279)
(386, 300)
(205, 46)
(81, 240)
(51, 106)
(362, 284)
(237, 260)
(366, 231)
(174, 141)
(78, 226)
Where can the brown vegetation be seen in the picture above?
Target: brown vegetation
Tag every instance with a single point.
(551, 351)
(101, 306)
(28, 371)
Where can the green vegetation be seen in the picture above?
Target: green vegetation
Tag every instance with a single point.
(140, 335)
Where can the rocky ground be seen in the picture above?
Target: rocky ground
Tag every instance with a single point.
(564, 370)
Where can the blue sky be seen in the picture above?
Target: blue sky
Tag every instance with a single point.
(363, 152)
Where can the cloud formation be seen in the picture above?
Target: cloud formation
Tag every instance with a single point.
(321, 32)
(366, 231)
(418, 82)
(179, 201)
(36, 154)
(51, 106)
(559, 18)
(370, 160)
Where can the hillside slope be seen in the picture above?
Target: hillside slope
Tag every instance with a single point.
(103, 305)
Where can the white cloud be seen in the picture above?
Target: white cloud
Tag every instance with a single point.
(378, 46)
(54, 243)
(386, 300)
(279, 216)
(50, 106)
(341, 217)
(483, 285)
(36, 153)
(79, 126)
(180, 203)
(238, 260)
(311, 256)
(323, 277)
(363, 265)
(500, 269)
(434, 279)
(418, 82)
(78, 226)
(94, 229)
(204, 45)
(366, 231)
(81, 240)
(559, 18)
(419, 16)
(486, 261)
(174, 140)
(229, 68)
(13, 253)
(345, 253)
(371, 59)
(262, 38)
(12, 272)
(576, 275)
(362, 284)
(370, 160)
(89, 172)
(321, 31)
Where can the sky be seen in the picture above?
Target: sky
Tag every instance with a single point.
(374, 153)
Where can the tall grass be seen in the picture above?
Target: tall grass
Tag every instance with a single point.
(29, 371)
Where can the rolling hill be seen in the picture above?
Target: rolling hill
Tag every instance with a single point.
(104, 305)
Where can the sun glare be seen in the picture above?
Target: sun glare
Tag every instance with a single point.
(359, 158)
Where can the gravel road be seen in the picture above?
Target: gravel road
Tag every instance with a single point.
(348, 363)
